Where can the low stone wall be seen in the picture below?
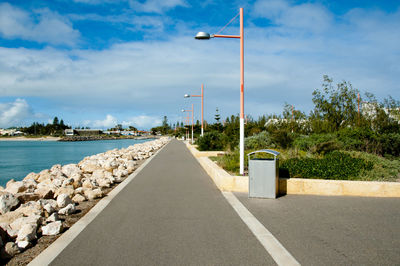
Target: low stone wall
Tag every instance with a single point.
(227, 182)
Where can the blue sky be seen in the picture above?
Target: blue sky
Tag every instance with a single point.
(101, 62)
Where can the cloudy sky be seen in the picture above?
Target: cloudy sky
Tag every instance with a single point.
(101, 62)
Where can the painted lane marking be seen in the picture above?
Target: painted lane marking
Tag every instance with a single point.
(280, 255)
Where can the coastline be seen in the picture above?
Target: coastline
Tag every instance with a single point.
(29, 139)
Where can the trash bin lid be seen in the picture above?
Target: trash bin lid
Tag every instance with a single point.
(275, 153)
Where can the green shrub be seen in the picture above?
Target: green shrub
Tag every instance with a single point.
(383, 169)
(314, 141)
(211, 141)
(259, 141)
(282, 138)
(390, 144)
(335, 165)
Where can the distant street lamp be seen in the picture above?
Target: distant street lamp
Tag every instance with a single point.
(192, 110)
(202, 106)
(207, 36)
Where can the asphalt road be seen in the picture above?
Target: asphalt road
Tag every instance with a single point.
(322, 230)
(170, 214)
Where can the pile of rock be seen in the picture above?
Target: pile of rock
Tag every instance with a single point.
(34, 206)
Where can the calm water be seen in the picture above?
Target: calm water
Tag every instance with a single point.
(19, 158)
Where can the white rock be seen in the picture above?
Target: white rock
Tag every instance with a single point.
(11, 249)
(78, 198)
(70, 170)
(49, 208)
(63, 200)
(44, 175)
(79, 190)
(93, 194)
(69, 190)
(18, 223)
(69, 209)
(7, 202)
(27, 233)
(30, 208)
(45, 192)
(15, 187)
(52, 218)
(23, 244)
(67, 182)
(52, 229)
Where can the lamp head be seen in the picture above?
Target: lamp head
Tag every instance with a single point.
(183, 110)
(186, 96)
(203, 36)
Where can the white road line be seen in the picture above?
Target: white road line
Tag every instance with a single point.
(52, 251)
(270, 243)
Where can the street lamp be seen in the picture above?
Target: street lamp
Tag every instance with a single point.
(192, 110)
(202, 106)
(207, 36)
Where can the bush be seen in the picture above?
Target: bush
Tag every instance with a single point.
(211, 141)
(259, 141)
(282, 138)
(335, 165)
(390, 144)
(314, 141)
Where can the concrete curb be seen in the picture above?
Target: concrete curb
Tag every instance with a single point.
(52, 251)
(300, 186)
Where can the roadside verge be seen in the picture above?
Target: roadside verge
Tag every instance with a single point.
(227, 182)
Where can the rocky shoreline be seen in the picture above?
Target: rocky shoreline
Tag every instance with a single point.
(41, 203)
(92, 138)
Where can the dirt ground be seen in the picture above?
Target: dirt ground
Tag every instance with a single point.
(44, 241)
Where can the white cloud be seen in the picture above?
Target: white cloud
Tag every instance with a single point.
(14, 113)
(109, 122)
(282, 64)
(40, 25)
(143, 122)
(156, 6)
(307, 16)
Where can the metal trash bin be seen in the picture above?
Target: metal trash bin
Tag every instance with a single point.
(263, 175)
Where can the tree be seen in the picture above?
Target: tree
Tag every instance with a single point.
(337, 107)
(217, 117)
(55, 121)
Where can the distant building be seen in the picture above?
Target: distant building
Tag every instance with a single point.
(83, 132)
(11, 132)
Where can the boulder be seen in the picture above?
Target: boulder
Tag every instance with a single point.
(8, 202)
(69, 209)
(72, 171)
(93, 194)
(63, 200)
(23, 244)
(52, 229)
(10, 250)
(45, 192)
(14, 187)
(68, 182)
(30, 208)
(8, 218)
(44, 175)
(18, 223)
(87, 184)
(29, 184)
(27, 196)
(52, 218)
(88, 165)
(32, 175)
(69, 190)
(27, 233)
(79, 190)
(78, 198)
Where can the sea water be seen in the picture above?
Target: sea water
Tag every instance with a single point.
(19, 158)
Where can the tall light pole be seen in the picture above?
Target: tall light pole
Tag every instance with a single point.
(202, 106)
(207, 36)
(192, 110)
